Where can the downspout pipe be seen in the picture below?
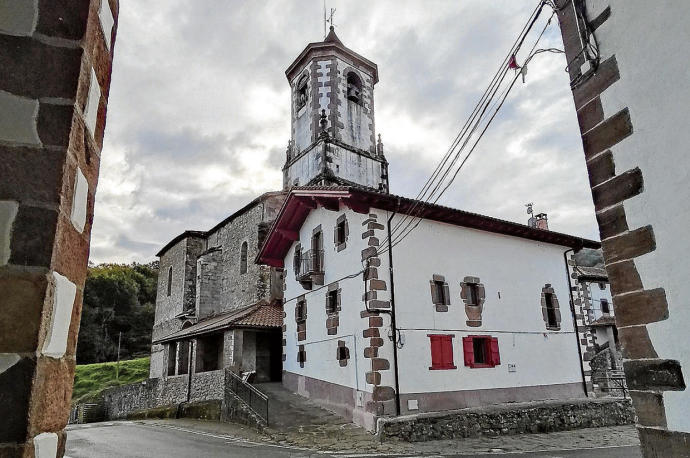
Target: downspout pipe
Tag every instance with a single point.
(572, 313)
(394, 329)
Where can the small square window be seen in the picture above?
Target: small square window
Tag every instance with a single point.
(481, 351)
(343, 353)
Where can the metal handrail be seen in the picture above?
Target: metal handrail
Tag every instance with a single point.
(618, 380)
(249, 395)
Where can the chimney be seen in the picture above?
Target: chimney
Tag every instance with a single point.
(541, 222)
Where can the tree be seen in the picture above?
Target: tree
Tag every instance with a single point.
(117, 298)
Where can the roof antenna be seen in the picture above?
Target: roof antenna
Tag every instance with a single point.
(327, 19)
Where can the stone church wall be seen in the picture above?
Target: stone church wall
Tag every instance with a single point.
(240, 289)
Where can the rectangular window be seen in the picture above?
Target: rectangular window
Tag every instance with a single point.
(332, 301)
(172, 358)
(552, 320)
(472, 294)
(183, 359)
(209, 353)
(301, 311)
(605, 306)
(340, 232)
(440, 294)
(441, 351)
(297, 259)
(481, 351)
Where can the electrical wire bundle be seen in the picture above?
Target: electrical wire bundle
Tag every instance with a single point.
(471, 132)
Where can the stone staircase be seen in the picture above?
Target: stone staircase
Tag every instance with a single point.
(295, 420)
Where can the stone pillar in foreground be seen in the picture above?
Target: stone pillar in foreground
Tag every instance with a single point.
(631, 98)
(55, 66)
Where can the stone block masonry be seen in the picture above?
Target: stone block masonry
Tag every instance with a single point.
(383, 397)
(631, 103)
(55, 66)
(535, 417)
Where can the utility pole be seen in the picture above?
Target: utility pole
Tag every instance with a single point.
(117, 365)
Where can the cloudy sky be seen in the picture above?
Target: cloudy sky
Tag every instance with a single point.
(199, 111)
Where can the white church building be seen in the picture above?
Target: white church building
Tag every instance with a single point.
(466, 311)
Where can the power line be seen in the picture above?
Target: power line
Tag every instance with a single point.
(442, 170)
(397, 238)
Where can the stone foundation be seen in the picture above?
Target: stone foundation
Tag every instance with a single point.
(508, 419)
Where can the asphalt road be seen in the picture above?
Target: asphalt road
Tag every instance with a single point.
(130, 439)
(123, 439)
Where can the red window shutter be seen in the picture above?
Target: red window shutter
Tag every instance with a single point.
(495, 356)
(441, 351)
(468, 351)
(436, 352)
(448, 352)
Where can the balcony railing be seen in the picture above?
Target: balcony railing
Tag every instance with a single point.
(310, 265)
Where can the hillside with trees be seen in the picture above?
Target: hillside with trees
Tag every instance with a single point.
(118, 298)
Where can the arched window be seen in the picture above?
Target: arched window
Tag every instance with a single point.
(169, 280)
(354, 88)
(301, 93)
(243, 258)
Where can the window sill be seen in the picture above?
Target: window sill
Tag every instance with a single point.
(481, 366)
(439, 368)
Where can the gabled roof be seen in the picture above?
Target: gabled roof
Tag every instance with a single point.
(302, 200)
(205, 234)
(260, 315)
(331, 45)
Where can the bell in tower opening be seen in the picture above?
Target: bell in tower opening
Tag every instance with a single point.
(333, 138)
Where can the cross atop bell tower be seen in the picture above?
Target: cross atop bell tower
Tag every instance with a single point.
(333, 139)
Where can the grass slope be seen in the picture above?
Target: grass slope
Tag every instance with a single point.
(91, 379)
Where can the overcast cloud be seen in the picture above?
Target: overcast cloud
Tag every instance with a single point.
(199, 111)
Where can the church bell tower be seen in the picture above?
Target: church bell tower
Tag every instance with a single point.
(333, 140)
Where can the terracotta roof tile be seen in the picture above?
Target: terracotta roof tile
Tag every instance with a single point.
(260, 315)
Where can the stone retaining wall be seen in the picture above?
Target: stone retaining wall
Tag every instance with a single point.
(510, 419)
(210, 398)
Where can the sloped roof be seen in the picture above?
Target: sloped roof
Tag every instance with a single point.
(205, 234)
(591, 273)
(260, 315)
(605, 320)
(328, 46)
(302, 200)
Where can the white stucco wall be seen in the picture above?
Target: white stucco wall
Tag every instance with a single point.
(652, 52)
(354, 167)
(320, 347)
(515, 268)
(597, 294)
